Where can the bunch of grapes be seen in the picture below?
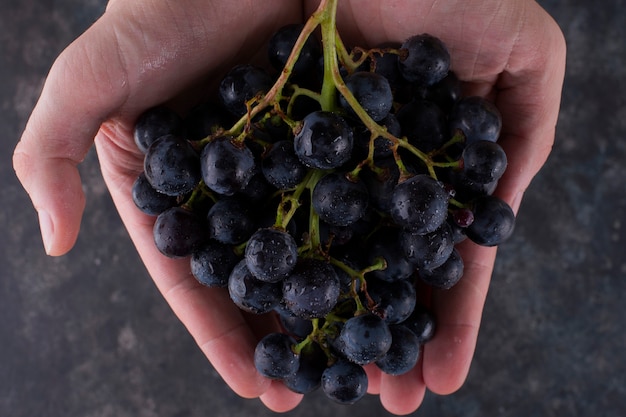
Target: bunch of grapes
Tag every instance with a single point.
(323, 191)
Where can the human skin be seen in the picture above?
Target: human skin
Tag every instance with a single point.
(140, 54)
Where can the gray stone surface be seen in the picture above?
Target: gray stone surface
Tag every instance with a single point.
(88, 334)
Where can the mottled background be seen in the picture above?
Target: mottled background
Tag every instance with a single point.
(88, 334)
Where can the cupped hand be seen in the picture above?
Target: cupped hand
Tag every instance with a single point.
(140, 54)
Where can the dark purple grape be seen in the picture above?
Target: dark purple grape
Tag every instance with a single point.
(339, 201)
(466, 189)
(324, 140)
(242, 84)
(295, 326)
(283, 41)
(251, 294)
(178, 232)
(281, 167)
(226, 167)
(477, 118)
(403, 354)
(385, 243)
(149, 200)
(444, 93)
(428, 250)
(420, 204)
(312, 289)
(212, 264)
(381, 187)
(484, 161)
(231, 221)
(372, 92)
(422, 323)
(395, 300)
(172, 166)
(204, 120)
(257, 190)
(274, 356)
(154, 123)
(446, 275)
(344, 382)
(424, 124)
(424, 59)
(364, 339)
(493, 223)
(271, 254)
(308, 377)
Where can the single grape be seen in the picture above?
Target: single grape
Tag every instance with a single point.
(424, 59)
(445, 276)
(403, 354)
(493, 223)
(371, 91)
(242, 84)
(420, 204)
(477, 118)
(308, 377)
(364, 338)
(483, 161)
(395, 300)
(424, 124)
(295, 326)
(312, 289)
(274, 356)
(344, 382)
(231, 221)
(339, 201)
(427, 250)
(281, 167)
(324, 140)
(380, 185)
(422, 323)
(226, 167)
(178, 232)
(172, 166)
(283, 41)
(443, 93)
(153, 123)
(149, 200)
(251, 294)
(212, 264)
(385, 243)
(203, 120)
(271, 254)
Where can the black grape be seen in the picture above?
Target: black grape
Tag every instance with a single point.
(484, 161)
(477, 118)
(178, 232)
(422, 323)
(312, 289)
(271, 254)
(403, 354)
(427, 250)
(154, 123)
(385, 243)
(364, 339)
(274, 357)
(494, 221)
(419, 204)
(281, 167)
(372, 92)
(339, 201)
(308, 377)
(172, 166)
(395, 301)
(149, 200)
(447, 274)
(241, 84)
(281, 44)
(226, 167)
(231, 221)
(251, 294)
(212, 263)
(324, 140)
(344, 382)
(424, 59)
(424, 124)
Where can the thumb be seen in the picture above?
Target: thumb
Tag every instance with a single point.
(74, 101)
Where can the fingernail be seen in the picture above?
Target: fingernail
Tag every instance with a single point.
(47, 229)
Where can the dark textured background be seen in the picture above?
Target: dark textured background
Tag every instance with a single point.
(88, 335)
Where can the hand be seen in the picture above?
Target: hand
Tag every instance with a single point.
(141, 54)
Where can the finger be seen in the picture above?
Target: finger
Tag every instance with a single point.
(279, 398)
(403, 394)
(447, 357)
(373, 379)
